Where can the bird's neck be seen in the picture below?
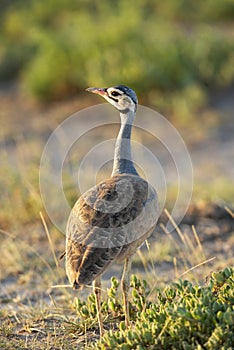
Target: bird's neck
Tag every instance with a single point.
(123, 157)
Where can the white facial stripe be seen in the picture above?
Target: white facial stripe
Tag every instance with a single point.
(122, 101)
(110, 90)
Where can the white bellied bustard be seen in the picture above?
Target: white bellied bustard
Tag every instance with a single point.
(111, 220)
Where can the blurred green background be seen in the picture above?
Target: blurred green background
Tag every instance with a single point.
(179, 47)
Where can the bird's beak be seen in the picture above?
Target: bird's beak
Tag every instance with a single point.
(99, 91)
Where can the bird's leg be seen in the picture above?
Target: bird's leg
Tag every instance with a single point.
(97, 293)
(125, 284)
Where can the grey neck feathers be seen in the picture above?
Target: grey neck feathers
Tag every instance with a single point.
(123, 158)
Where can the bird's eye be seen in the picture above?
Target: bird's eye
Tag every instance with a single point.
(115, 93)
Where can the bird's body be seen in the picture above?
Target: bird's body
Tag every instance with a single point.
(111, 220)
(103, 237)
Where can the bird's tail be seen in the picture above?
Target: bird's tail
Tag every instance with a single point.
(77, 286)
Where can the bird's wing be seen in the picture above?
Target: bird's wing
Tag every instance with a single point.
(101, 223)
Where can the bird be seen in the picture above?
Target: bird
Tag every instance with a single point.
(109, 222)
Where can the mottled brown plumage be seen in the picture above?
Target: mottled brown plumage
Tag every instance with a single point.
(104, 226)
(112, 219)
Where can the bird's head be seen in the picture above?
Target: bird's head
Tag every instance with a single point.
(121, 97)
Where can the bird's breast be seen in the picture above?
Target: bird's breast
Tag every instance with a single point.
(116, 211)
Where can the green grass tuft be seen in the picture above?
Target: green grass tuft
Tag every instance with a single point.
(182, 316)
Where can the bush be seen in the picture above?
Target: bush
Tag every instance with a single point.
(184, 317)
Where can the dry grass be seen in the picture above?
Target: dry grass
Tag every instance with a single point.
(36, 316)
